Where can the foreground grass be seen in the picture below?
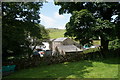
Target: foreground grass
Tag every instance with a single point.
(82, 69)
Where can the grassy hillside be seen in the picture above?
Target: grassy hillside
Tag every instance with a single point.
(56, 33)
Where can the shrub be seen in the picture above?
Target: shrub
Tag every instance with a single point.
(114, 44)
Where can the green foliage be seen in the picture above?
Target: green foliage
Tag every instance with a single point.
(27, 11)
(102, 11)
(44, 32)
(20, 24)
(104, 29)
(82, 69)
(85, 27)
(80, 25)
(114, 44)
(69, 7)
(117, 28)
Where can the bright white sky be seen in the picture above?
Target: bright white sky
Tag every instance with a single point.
(50, 17)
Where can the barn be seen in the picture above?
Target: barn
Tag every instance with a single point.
(64, 45)
(67, 49)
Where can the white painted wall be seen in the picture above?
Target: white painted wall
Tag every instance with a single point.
(44, 47)
(46, 44)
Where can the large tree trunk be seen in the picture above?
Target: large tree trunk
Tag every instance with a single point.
(104, 46)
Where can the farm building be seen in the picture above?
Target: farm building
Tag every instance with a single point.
(50, 43)
(67, 49)
(63, 46)
(61, 41)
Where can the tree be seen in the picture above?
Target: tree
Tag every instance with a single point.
(80, 26)
(106, 31)
(45, 37)
(102, 10)
(44, 32)
(19, 21)
(84, 27)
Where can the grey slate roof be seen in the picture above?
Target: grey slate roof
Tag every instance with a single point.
(60, 39)
(69, 48)
(51, 39)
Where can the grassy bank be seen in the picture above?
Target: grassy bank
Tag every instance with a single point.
(56, 33)
(82, 69)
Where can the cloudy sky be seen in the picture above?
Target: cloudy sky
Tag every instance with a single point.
(50, 17)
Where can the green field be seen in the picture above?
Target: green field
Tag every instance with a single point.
(83, 69)
(96, 42)
(56, 33)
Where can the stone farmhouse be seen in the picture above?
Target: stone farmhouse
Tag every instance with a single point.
(62, 46)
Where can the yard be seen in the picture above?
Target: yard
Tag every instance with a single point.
(83, 69)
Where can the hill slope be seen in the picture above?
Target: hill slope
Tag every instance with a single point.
(56, 33)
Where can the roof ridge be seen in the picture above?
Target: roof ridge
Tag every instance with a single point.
(61, 39)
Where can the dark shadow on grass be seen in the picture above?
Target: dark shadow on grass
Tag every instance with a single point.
(114, 60)
(79, 68)
(70, 70)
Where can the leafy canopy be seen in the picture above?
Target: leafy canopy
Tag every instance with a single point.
(105, 29)
(80, 25)
(102, 11)
(84, 27)
(20, 21)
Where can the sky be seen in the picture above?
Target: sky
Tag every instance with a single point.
(50, 17)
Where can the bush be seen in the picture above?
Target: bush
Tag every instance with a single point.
(114, 44)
